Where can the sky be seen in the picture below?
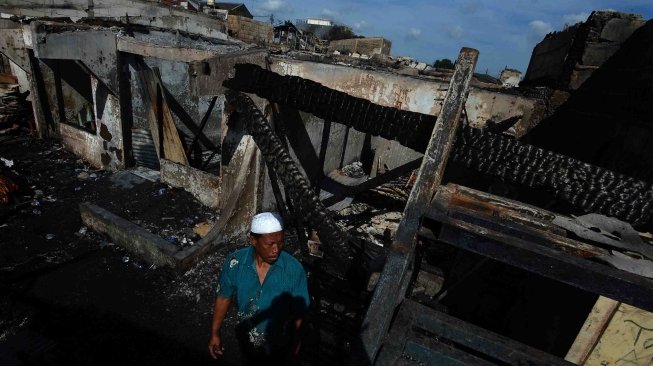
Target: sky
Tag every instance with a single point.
(504, 31)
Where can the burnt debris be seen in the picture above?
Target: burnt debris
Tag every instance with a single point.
(304, 197)
(589, 187)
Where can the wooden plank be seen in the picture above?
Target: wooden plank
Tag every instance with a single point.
(595, 324)
(396, 274)
(590, 276)
(508, 217)
(481, 340)
(431, 352)
(162, 125)
(627, 340)
(229, 208)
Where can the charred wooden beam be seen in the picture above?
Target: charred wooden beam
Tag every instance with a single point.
(397, 272)
(498, 348)
(588, 187)
(304, 198)
(546, 261)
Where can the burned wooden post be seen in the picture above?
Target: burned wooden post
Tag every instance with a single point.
(392, 285)
(162, 125)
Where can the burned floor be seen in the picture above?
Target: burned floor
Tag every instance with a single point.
(442, 216)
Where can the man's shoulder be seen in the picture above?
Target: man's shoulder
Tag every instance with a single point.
(240, 253)
(238, 256)
(290, 262)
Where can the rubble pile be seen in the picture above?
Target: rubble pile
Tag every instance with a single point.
(15, 110)
(364, 220)
(7, 187)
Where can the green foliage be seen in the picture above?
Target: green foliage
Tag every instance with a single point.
(445, 63)
(339, 32)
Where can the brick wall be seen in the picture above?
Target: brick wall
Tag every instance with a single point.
(363, 46)
(250, 30)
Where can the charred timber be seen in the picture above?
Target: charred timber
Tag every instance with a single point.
(588, 187)
(301, 193)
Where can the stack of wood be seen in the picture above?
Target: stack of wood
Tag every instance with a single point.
(15, 110)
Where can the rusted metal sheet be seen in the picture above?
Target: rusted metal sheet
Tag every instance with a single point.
(391, 288)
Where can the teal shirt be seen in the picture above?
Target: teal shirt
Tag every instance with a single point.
(265, 308)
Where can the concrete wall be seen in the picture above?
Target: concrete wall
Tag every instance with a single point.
(363, 46)
(608, 121)
(566, 59)
(420, 95)
(104, 148)
(250, 30)
(203, 186)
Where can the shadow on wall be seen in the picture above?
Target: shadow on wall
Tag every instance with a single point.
(608, 121)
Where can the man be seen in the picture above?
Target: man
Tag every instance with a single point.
(271, 293)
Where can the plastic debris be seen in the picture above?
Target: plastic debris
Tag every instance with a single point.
(49, 198)
(50, 236)
(125, 259)
(35, 203)
(173, 239)
(338, 307)
(104, 244)
(78, 188)
(83, 175)
(161, 191)
(203, 228)
(8, 163)
(92, 175)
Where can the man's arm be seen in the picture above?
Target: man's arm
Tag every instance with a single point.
(300, 303)
(219, 312)
(297, 338)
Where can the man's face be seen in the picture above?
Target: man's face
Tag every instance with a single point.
(268, 246)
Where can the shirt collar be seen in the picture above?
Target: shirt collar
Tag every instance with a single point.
(249, 258)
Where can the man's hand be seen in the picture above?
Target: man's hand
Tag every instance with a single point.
(215, 346)
(219, 311)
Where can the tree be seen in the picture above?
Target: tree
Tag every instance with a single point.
(339, 32)
(445, 63)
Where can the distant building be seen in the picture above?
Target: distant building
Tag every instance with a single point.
(290, 36)
(319, 27)
(185, 4)
(323, 22)
(362, 46)
(237, 9)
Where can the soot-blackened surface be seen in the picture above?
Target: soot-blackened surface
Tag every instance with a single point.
(71, 297)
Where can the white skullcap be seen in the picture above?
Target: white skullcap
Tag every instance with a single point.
(266, 223)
